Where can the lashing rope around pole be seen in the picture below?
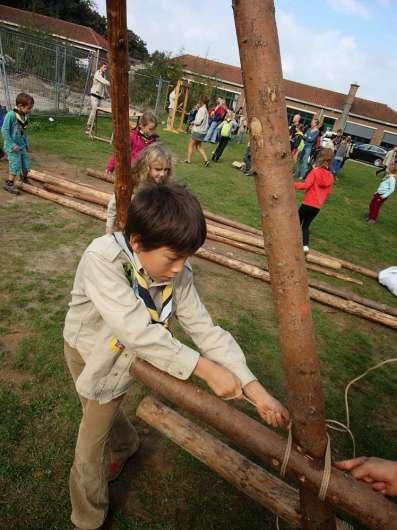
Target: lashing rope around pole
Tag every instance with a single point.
(331, 424)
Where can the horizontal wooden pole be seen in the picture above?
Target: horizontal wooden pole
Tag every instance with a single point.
(64, 201)
(264, 488)
(348, 306)
(97, 174)
(81, 195)
(344, 493)
(68, 184)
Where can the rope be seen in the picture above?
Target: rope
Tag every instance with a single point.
(330, 424)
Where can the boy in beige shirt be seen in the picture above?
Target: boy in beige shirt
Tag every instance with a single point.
(127, 288)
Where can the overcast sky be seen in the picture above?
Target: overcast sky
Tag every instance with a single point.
(325, 43)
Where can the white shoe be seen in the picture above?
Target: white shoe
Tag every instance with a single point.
(305, 249)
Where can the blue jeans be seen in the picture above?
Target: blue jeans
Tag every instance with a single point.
(335, 166)
(212, 133)
(303, 162)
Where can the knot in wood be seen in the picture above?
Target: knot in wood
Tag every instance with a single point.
(275, 462)
(275, 196)
(256, 131)
(272, 94)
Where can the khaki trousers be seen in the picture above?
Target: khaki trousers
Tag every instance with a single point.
(94, 107)
(105, 435)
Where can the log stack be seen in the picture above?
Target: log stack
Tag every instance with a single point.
(90, 201)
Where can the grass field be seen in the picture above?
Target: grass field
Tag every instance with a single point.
(163, 487)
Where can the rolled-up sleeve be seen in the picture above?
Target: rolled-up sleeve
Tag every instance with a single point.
(213, 342)
(127, 317)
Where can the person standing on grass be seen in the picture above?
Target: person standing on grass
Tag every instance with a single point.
(127, 288)
(390, 158)
(340, 154)
(199, 128)
(317, 186)
(154, 164)
(225, 133)
(97, 93)
(16, 141)
(385, 189)
(310, 138)
(216, 116)
(141, 136)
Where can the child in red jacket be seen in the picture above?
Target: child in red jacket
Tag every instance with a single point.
(317, 186)
(140, 137)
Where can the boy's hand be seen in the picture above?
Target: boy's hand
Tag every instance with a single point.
(220, 380)
(381, 474)
(15, 148)
(268, 407)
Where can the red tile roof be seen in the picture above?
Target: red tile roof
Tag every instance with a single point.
(53, 26)
(294, 90)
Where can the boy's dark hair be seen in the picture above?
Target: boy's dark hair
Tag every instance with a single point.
(24, 99)
(166, 215)
(203, 99)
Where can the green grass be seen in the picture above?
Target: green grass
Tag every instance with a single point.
(168, 489)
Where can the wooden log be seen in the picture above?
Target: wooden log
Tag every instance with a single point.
(69, 185)
(333, 274)
(348, 295)
(344, 493)
(231, 223)
(351, 266)
(97, 174)
(256, 250)
(257, 241)
(267, 490)
(64, 201)
(75, 194)
(348, 306)
(119, 67)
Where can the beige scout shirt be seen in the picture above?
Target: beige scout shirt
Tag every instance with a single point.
(99, 84)
(104, 306)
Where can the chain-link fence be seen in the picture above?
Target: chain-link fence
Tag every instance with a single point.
(54, 72)
(145, 92)
(59, 75)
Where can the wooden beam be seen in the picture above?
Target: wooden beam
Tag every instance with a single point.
(119, 67)
(264, 488)
(344, 493)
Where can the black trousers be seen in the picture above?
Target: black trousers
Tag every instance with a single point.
(220, 148)
(306, 216)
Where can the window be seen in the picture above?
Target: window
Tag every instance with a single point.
(328, 123)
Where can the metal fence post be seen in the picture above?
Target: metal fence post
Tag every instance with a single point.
(158, 96)
(3, 76)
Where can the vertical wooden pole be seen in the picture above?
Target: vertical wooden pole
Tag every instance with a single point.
(267, 115)
(118, 60)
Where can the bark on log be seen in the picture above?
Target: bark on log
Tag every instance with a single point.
(97, 174)
(344, 493)
(349, 306)
(333, 274)
(231, 223)
(119, 67)
(352, 266)
(64, 201)
(267, 490)
(69, 185)
(61, 190)
(257, 241)
(309, 266)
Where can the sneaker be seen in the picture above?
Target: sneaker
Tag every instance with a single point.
(206, 163)
(187, 162)
(24, 179)
(115, 468)
(371, 221)
(10, 187)
(305, 249)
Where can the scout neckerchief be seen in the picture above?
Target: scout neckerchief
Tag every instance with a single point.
(141, 289)
(22, 119)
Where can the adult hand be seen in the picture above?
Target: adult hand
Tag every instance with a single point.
(268, 407)
(220, 380)
(15, 148)
(380, 473)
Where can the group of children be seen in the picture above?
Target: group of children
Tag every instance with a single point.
(129, 285)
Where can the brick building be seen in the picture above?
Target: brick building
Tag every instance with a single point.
(367, 121)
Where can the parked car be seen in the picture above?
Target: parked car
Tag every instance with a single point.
(372, 154)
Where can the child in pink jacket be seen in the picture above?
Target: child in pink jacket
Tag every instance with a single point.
(317, 185)
(140, 137)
